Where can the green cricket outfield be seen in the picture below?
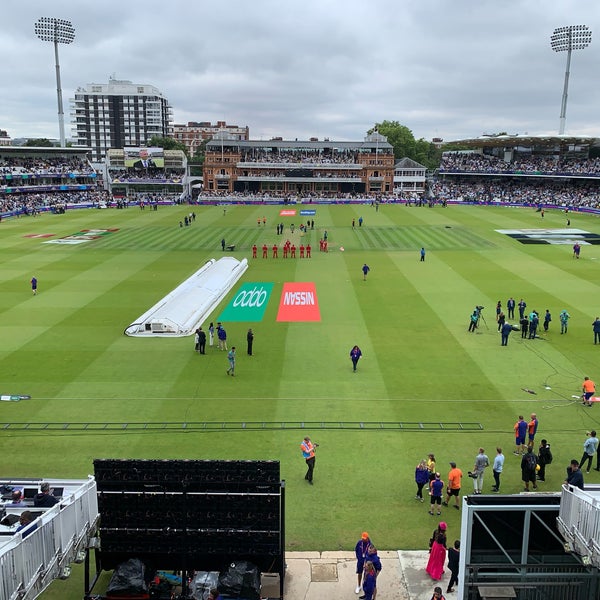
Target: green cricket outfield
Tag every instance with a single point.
(424, 384)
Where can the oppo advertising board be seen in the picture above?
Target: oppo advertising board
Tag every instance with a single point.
(298, 302)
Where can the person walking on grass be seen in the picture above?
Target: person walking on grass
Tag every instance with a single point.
(355, 355)
(522, 306)
(421, 479)
(596, 330)
(532, 428)
(222, 337)
(231, 359)
(544, 458)
(528, 471)
(564, 320)
(365, 270)
(431, 466)
(510, 307)
(422, 254)
(501, 320)
(588, 387)
(436, 486)
(520, 433)
(547, 319)
(481, 463)
(590, 447)
(34, 285)
(308, 453)
(473, 321)
(524, 326)
(201, 337)
(497, 470)
(454, 484)
(505, 332)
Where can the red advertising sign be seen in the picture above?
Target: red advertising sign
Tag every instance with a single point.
(299, 302)
(286, 212)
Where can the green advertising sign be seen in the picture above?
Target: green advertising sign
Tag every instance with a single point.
(249, 304)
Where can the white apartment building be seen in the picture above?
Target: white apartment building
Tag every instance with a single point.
(118, 115)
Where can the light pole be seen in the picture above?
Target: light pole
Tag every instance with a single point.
(572, 37)
(58, 31)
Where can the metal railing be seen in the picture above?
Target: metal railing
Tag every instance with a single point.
(579, 521)
(33, 558)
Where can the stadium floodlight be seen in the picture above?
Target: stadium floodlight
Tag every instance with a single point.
(567, 39)
(57, 31)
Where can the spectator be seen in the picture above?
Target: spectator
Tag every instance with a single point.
(17, 500)
(453, 564)
(497, 469)
(590, 447)
(528, 468)
(454, 484)
(421, 478)
(360, 550)
(44, 499)
(574, 475)
(25, 520)
(481, 462)
(544, 458)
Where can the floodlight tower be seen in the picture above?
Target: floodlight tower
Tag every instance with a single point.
(573, 37)
(58, 31)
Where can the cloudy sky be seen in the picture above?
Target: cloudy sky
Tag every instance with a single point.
(326, 68)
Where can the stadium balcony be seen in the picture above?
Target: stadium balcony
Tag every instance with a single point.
(299, 165)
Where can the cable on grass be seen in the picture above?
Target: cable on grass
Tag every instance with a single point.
(561, 405)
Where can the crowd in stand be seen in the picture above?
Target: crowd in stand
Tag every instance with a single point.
(323, 174)
(134, 175)
(560, 193)
(208, 196)
(299, 157)
(483, 163)
(33, 203)
(58, 165)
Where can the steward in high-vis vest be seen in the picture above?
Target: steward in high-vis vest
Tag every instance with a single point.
(308, 452)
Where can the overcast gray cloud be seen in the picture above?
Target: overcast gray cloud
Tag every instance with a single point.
(327, 68)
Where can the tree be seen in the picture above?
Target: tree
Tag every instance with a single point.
(403, 141)
(166, 143)
(39, 143)
(199, 153)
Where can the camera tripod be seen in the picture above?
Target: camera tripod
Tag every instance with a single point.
(480, 316)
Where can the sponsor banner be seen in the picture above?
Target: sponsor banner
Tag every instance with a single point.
(308, 213)
(287, 212)
(85, 235)
(567, 237)
(299, 302)
(249, 304)
(39, 235)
